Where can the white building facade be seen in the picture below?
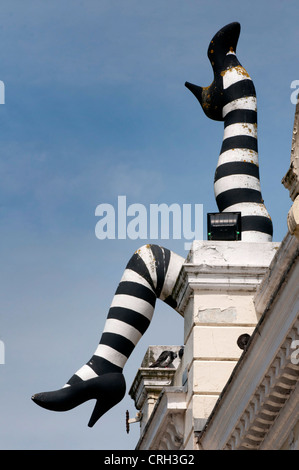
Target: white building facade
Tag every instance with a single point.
(219, 396)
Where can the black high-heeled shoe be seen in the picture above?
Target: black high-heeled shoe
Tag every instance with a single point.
(108, 389)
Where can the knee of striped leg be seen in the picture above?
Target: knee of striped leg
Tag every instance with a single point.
(145, 248)
(149, 253)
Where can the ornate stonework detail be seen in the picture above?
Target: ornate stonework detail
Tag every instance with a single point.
(293, 218)
(165, 427)
(292, 441)
(172, 435)
(291, 179)
(270, 397)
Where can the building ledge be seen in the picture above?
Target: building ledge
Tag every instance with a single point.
(223, 266)
(149, 389)
(164, 429)
(149, 381)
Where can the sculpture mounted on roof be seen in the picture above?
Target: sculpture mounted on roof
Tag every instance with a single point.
(152, 271)
(231, 98)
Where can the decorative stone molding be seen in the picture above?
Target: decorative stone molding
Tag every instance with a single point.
(284, 260)
(293, 218)
(291, 179)
(171, 436)
(223, 267)
(270, 397)
(292, 442)
(150, 382)
(165, 428)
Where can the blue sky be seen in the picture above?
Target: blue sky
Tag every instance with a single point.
(95, 107)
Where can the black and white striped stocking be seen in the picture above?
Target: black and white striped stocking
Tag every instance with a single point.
(151, 273)
(231, 98)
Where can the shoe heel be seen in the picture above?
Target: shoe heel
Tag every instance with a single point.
(115, 390)
(101, 408)
(98, 411)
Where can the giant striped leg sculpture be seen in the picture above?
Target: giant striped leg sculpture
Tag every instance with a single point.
(231, 98)
(152, 271)
(150, 274)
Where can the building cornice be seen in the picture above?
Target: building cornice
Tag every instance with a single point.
(148, 381)
(275, 390)
(291, 178)
(277, 273)
(165, 428)
(223, 267)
